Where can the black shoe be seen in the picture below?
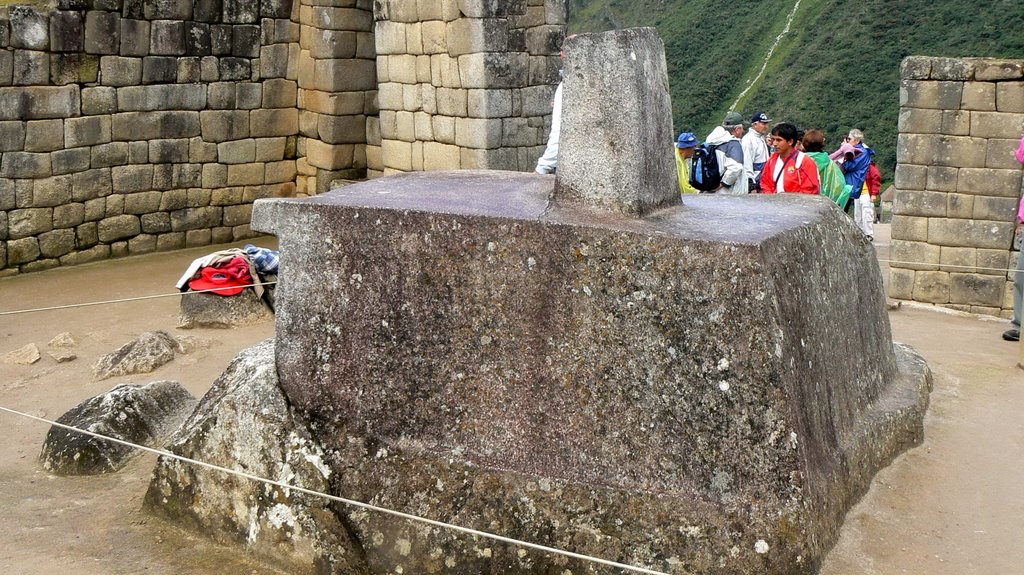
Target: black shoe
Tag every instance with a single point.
(1011, 335)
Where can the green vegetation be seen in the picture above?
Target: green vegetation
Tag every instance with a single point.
(838, 68)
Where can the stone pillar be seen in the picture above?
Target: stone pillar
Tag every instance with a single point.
(337, 91)
(615, 150)
(957, 183)
(464, 84)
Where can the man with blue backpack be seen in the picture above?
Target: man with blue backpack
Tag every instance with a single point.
(710, 169)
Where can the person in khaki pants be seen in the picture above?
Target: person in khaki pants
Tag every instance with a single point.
(1013, 334)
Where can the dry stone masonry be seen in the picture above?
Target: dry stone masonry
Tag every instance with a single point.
(132, 126)
(957, 183)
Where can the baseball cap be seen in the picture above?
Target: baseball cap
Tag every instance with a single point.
(760, 117)
(733, 119)
(687, 140)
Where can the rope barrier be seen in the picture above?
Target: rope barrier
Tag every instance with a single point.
(128, 299)
(350, 502)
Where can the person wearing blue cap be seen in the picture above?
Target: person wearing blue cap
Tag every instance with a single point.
(685, 146)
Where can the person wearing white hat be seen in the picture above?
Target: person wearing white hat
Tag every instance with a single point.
(755, 150)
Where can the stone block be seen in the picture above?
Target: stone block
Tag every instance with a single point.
(29, 222)
(214, 176)
(86, 131)
(172, 200)
(444, 129)
(472, 35)
(956, 123)
(545, 40)
(237, 215)
(245, 174)
(406, 126)
(989, 69)
(452, 102)
(901, 283)
(118, 227)
(132, 126)
(330, 18)
(226, 197)
(920, 121)
(220, 40)
(241, 11)
(345, 75)
(196, 238)
(169, 151)
(995, 209)
(44, 135)
(95, 210)
(911, 177)
(129, 179)
(978, 96)
(996, 124)
(25, 165)
(616, 163)
(68, 216)
(270, 149)
(102, 32)
(114, 205)
(494, 70)
(12, 136)
(1000, 154)
(917, 203)
(952, 69)
(491, 8)
(161, 97)
(50, 192)
(280, 172)
(976, 289)
(99, 100)
(910, 228)
(155, 223)
(942, 179)
(29, 28)
(1010, 97)
(931, 95)
(231, 68)
(478, 133)
(196, 218)
(142, 203)
(274, 61)
(220, 126)
(959, 206)
(66, 31)
(390, 37)
(207, 10)
(209, 69)
(107, 155)
(248, 95)
(437, 156)
(56, 243)
(489, 103)
(274, 122)
(22, 251)
(120, 71)
(197, 198)
(954, 259)
(6, 67)
(70, 161)
(329, 156)
(91, 184)
(159, 69)
(331, 43)
(237, 152)
(279, 93)
(171, 241)
(495, 159)
(990, 182)
(959, 151)
(970, 233)
(135, 37)
(168, 9)
(30, 67)
(931, 287)
(342, 129)
(992, 262)
(245, 41)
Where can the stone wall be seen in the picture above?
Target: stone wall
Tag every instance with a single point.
(464, 84)
(132, 126)
(957, 183)
(129, 127)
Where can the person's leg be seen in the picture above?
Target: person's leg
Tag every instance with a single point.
(867, 217)
(1013, 334)
(858, 213)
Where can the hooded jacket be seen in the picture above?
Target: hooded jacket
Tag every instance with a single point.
(856, 170)
(733, 175)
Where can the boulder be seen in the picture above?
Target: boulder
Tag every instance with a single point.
(216, 311)
(144, 415)
(141, 355)
(26, 355)
(245, 423)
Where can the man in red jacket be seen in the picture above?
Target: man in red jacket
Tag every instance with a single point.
(788, 170)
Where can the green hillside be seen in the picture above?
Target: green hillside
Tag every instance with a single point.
(838, 67)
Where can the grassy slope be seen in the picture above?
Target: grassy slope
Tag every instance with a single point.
(838, 68)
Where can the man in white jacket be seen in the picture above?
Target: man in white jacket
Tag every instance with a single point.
(726, 138)
(548, 163)
(755, 149)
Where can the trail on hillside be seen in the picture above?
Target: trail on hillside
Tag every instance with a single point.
(768, 56)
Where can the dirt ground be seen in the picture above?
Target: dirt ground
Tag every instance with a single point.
(951, 506)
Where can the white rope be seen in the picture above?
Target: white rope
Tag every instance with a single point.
(1004, 270)
(351, 502)
(128, 299)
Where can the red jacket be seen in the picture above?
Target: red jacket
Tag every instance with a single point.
(799, 174)
(874, 180)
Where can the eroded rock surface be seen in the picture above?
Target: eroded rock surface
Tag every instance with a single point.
(244, 423)
(141, 355)
(26, 355)
(215, 311)
(144, 415)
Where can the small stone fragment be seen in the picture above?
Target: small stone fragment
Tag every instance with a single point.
(142, 355)
(62, 355)
(63, 340)
(23, 356)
